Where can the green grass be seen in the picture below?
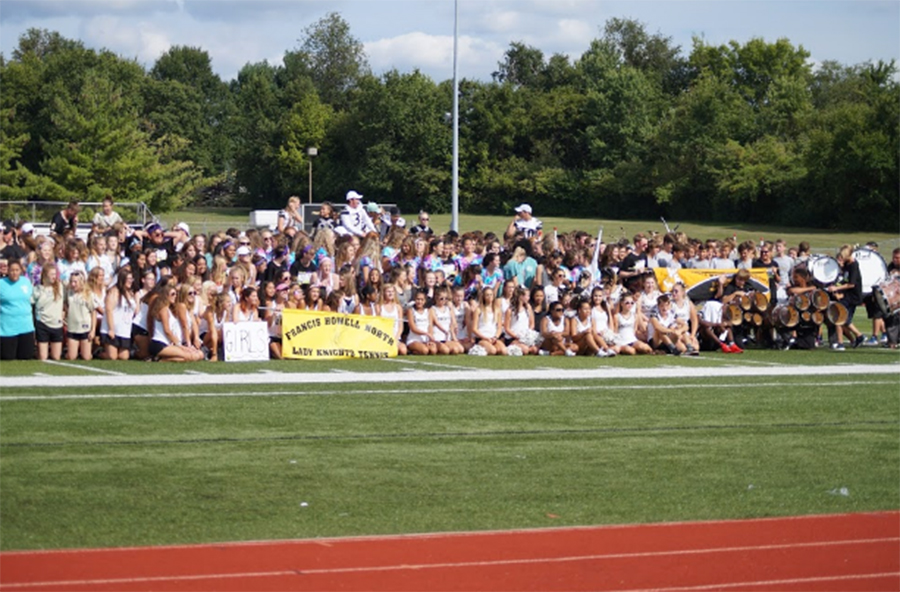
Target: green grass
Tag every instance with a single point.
(438, 457)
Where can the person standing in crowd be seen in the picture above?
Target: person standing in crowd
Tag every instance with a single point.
(635, 265)
(48, 300)
(16, 318)
(10, 249)
(525, 224)
(65, 220)
(81, 317)
(107, 217)
(290, 219)
(354, 219)
(121, 307)
(160, 244)
(423, 226)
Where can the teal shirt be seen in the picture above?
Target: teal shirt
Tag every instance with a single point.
(16, 315)
(524, 271)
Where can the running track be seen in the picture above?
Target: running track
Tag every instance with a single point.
(836, 552)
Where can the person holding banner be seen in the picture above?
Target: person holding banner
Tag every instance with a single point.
(273, 320)
(212, 320)
(247, 308)
(420, 340)
(390, 308)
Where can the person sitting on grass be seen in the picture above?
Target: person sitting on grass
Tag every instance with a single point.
(581, 330)
(555, 333)
(166, 333)
(627, 320)
(519, 323)
(444, 324)
(667, 332)
(486, 322)
(420, 340)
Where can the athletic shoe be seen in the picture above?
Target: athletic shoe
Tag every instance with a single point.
(726, 349)
(610, 353)
(790, 343)
(543, 352)
(735, 348)
(871, 341)
(570, 353)
(858, 341)
(838, 347)
(601, 354)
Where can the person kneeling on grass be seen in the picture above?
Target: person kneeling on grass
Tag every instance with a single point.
(555, 331)
(487, 323)
(519, 323)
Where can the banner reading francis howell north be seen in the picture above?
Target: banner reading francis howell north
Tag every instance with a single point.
(312, 335)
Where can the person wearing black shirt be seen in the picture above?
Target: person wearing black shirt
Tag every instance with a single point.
(66, 219)
(422, 226)
(163, 246)
(848, 290)
(304, 263)
(634, 265)
(11, 250)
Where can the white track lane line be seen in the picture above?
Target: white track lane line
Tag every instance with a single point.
(809, 580)
(454, 565)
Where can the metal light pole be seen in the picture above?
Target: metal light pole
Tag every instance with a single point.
(454, 216)
(311, 153)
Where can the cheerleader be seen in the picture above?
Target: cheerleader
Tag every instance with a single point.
(115, 327)
(487, 323)
(391, 309)
(420, 340)
(581, 330)
(444, 324)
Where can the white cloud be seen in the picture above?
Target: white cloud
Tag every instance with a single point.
(433, 55)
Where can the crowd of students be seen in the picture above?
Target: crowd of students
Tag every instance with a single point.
(152, 294)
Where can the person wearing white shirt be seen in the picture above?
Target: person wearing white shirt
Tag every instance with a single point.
(354, 218)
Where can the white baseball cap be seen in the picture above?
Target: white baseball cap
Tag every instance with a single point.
(184, 227)
(524, 208)
(27, 227)
(243, 250)
(353, 195)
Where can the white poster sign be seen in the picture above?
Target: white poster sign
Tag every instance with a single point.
(247, 341)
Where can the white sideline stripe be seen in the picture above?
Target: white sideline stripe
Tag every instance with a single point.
(809, 580)
(195, 373)
(519, 376)
(321, 393)
(435, 364)
(88, 368)
(457, 565)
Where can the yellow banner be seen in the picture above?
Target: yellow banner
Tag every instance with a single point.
(312, 335)
(700, 283)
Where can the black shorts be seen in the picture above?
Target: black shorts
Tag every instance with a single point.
(45, 334)
(873, 311)
(117, 342)
(79, 336)
(275, 340)
(138, 331)
(156, 347)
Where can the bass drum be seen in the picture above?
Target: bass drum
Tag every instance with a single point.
(872, 268)
(887, 296)
(825, 270)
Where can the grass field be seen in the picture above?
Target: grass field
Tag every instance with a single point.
(485, 444)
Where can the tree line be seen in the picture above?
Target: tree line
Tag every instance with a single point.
(633, 128)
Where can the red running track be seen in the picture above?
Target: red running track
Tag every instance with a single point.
(832, 552)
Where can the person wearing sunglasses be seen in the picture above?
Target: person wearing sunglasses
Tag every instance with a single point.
(627, 322)
(166, 333)
(423, 226)
(555, 331)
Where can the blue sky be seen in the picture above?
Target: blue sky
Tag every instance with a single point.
(409, 34)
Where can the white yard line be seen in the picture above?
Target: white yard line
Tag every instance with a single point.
(743, 385)
(86, 368)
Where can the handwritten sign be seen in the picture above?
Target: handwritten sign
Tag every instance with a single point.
(247, 341)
